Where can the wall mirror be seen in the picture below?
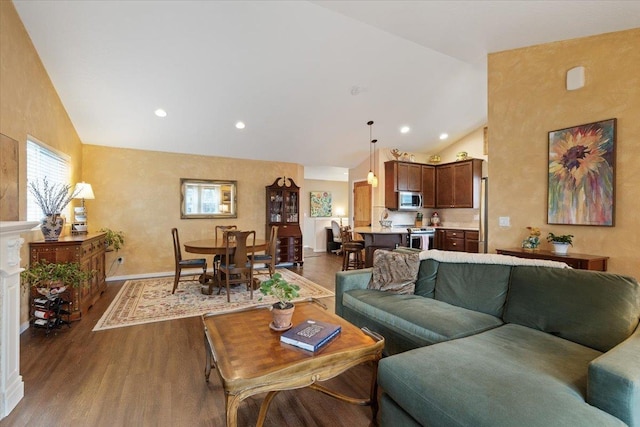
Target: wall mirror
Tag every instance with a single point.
(204, 198)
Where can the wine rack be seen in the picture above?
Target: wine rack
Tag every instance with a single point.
(50, 312)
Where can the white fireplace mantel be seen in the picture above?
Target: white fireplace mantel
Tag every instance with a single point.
(11, 385)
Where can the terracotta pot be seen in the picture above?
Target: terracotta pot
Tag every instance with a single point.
(282, 318)
(51, 227)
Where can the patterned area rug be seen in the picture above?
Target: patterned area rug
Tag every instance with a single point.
(150, 300)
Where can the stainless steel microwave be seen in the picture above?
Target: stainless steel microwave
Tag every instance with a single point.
(409, 200)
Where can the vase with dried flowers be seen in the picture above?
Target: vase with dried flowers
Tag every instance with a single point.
(52, 199)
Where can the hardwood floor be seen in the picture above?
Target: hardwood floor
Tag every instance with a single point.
(152, 375)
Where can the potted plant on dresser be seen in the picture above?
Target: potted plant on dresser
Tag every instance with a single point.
(284, 292)
(560, 243)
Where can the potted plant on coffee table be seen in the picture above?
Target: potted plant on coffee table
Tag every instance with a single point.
(50, 278)
(284, 292)
(560, 242)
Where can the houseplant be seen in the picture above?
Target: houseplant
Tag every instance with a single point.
(52, 199)
(114, 240)
(50, 278)
(284, 292)
(560, 242)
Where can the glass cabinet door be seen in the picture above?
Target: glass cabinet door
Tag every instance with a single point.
(276, 206)
(292, 208)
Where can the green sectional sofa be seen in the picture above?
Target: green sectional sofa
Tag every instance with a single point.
(491, 340)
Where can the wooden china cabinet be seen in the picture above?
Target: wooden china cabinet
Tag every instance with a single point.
(86, 249)
(283, 210)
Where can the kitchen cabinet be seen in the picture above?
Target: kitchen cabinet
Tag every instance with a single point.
(400, 176)
(449, 239)
(89, 251)
(458, 184)
(428, 186)
(283, 210)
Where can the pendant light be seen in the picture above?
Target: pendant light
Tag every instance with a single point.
(371, 176)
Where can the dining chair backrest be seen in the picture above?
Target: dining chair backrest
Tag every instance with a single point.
(273, 242)
(221, 230)
(176, 245)
(241, 246)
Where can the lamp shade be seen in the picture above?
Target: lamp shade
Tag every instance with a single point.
(84, 191)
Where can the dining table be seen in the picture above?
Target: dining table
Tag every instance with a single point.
(218, 247)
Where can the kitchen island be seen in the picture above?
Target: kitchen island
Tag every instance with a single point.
(382, 238)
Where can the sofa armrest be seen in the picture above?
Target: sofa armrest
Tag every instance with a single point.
(348, 280)
(614, 381)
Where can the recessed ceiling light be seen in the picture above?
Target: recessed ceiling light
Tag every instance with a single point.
(444, 135)
(240, 125)
(160, 112)
(405, 129)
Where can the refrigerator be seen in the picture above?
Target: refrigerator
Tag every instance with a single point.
(484, 221)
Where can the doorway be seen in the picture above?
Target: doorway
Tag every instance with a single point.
(362, 193)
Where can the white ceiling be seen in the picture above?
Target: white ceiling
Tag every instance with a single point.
(305, 76)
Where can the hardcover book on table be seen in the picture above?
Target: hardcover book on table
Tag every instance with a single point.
(311, 334)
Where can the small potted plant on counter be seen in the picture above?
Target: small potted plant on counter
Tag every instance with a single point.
(560, 242)
(284, 292)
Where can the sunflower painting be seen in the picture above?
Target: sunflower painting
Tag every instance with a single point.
(581, 174)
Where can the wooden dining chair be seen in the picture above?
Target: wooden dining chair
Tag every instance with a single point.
(237, 262)
(185, 263)
(270, 258)
(220, 231)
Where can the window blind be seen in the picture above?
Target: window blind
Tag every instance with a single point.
(43, 161)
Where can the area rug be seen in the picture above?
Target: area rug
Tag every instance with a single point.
(150, 300)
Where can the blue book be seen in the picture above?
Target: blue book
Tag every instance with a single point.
(310, 335)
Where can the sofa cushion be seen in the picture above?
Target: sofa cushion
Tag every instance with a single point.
(422, 320)
(426, 283)
(507, 376)
(595, 309)
(479, 287)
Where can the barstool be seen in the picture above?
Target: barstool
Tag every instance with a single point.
(352, 248)
(349, 246)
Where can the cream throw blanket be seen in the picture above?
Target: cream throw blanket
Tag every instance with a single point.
(470, 258)
(397, 272)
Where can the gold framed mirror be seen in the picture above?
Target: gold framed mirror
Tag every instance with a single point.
(206, 198)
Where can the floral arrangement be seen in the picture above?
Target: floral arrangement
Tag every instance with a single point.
(533, 240)
(52, 198)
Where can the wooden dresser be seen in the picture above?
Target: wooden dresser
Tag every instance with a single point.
(580, 261)
(86, 249)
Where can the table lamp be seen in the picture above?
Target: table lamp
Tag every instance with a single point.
(340, 214)
(84, 191)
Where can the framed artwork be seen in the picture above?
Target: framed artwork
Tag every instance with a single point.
(582, 174)
(320, 203)
(8, 179)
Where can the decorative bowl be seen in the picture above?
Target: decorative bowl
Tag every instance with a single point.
(386, 223)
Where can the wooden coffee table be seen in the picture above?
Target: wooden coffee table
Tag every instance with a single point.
(250, 359)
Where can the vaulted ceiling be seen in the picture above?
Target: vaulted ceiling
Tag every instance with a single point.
(304, 76)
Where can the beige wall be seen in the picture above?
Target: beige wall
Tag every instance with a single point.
(29, 104)
(527, 99)
(138, 192)
(313, 229)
